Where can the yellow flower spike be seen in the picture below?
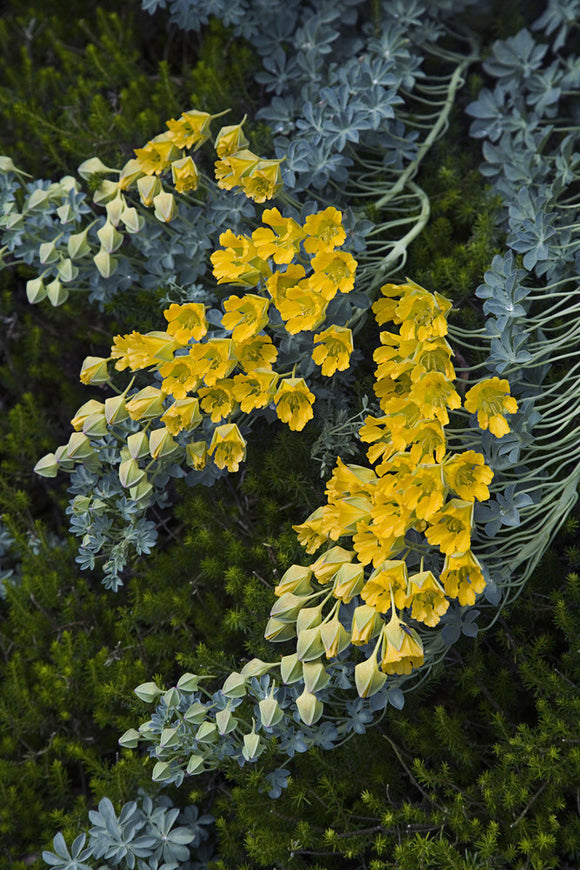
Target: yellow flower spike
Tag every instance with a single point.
(192, 128)
(255, 390)
(230, 139)
(184, 174)
(334, 349)
(148, 188)
(462, 577)
(294, 403)
(186, 322)
(180, 376)
(328, 564)
(279, 283)
(366, 624)
(468, 476)
(296, 580)
(218, 400)
(184, 414)
(301, 308)
(310, 534)
(403, 649)
(146, 404)
(348, 581)
(433, 394)
(85, 411)
(451, 527)
(491, 400)
(94, 370)
(196, 455)
(258, 353)
(228, 447)
(387, 583)
(324, 230)
(263, 181)
(245, 316)
(157, 155)
(333, 271)
(426, 597)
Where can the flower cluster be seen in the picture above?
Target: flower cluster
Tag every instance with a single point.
(417, 497)
(210, 375)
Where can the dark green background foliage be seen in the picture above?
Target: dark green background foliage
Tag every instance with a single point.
(479, 770)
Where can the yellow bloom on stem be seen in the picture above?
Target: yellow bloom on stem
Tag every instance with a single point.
(294, 403)
(462, 577)
(301, 308)
(255, 390)
(137, 351)
(185, 175)
(196, 454)
(434, 394)
(333, 271)
(387, 583)
(258, 353)
(402, 648)
(432, 356)
(239, 263)
(186, 321)
(263, 181)
(180, 376)
(349, 480)
(450, 528)
(426, 597)
(423, 314)
(329, 563)
(288, 231)
(324, 230)
(491, 400)
(228, 447)
(310, 533)
(429, 442)
(334, 349)
(213, 360)
(424, 491)
(230, 139)
(157, 155)
(268, 244)
(183, 414)
(468, 476)
(343, 515)
(245, 316)
(229, 170)
(218, 400)
(279, 283)
(191, 129)
(371, 546)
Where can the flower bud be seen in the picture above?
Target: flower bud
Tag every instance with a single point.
(67, 271)
(110, 238)
(171, 697)
(47, 252)
(79, 447)
(161, 771)
(66, 213)
(130, 739)
(309, 707)
(161, 443)
(141, 492)
(255, 668)
(47, 466)
(252, 747)
(368, 678)
(105, 192)
(85, 411)
(196, 713)
(309, 645)
(327, 565)
(206, 733)
(195, 765)
(348, 581)
(196, 454)
(148, 692)
(277, 631)
(334, 636)
(138, 446)
(308, 617)
(80, 504)
(130, 173)
(235, 686)
(57, 294)
(95, 425)
(133, 221)
(62, 460)
(165, 207)
(168, 738)
(148, 186)
(291, 669)
(146, 404)
(37, 198)
(106, 264)
(296, 579)
(35, 290)
(226, 722)
(288, 607)
(366, 624)
(270, 711)
(92, 166)
(78, 246)
(316, 677)
(115, 410)
(94, 370)
(130, 474)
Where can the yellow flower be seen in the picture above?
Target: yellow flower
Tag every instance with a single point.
(229, 171)
(196, 454)
(468, 476)
(402, 648)
(429, 442)
(424, 491)
(302, 308)
(389, 579)
(333, 271)
(328, 564)
(137, 351)
(268, 244)
(325, 231)
(148, 187)
(157, 155)
(213, 360)
(343, 516)
(179, 376)
(185, 175)
(255, 390)
(191, 129)
(451, 527)
(218, 400)
(294, 403)
(94, 370)
(349, 480)
(492, 401)
(263, 181)
(186, 321)
(334, 350)
(245, 316)
(239, 263)
(289, 233)
(280, 282)
(228, 447)
(373, 547)
(258, 353)
(432, 356)
(463, 577)
(183, 414)
(426, 597)
(230, 139)
(423, 314)
(310, 534)
(434, 394)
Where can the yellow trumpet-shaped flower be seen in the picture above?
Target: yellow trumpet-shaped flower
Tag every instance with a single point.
(230, 169)
(343, 516)
(333, 271)
(185, 174)
(230, 139)
(451, 527)
(258, 353)
(239, 263)
(137, 351)
(310, 533)
(468, 476)
(433, 394)
(218, 400)
(228, 447)
(263, 181)
(462, 577)
(426, 597)
(183, 414)
(192, 128)
(186, 321)
(280, 282)
(180, 376)
(302, 308)
(423, 314)
(402, 648)
(324, 230)
(491, 401)
(157, 155)
(213, 360)
(334, 349)
(350, 480)
(255, 390)
(245, 316)
(387, 583)
(294, 403)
